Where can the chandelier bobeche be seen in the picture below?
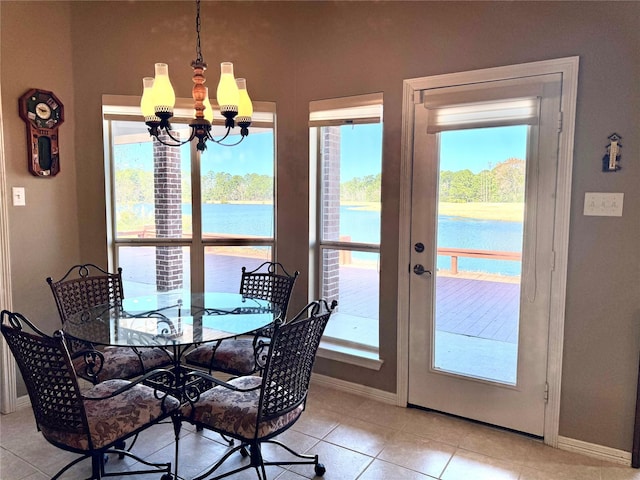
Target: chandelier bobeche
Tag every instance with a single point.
(158, 100)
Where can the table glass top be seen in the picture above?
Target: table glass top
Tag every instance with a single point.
(171, 319)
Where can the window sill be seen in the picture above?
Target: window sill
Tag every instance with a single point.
(351, 353)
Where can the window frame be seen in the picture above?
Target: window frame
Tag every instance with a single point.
(127, 108)
(353, 110)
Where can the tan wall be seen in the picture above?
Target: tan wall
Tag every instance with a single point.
(294, 52)
(43, 234)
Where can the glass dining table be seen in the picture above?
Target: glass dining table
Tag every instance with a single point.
(170, 320)
(174, 322)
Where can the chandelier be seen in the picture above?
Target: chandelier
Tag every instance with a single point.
(158, 100)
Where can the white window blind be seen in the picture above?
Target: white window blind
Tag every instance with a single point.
(523, 111)
(483, 106)
(348, 110)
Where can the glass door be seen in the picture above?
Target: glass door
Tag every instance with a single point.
(483, 201)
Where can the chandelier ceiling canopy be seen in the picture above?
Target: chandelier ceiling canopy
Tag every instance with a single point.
(158, 100)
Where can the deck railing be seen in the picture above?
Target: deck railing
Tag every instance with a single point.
(345, 255)
(454, 253)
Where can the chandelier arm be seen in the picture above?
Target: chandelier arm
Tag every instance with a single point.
(178, 142)
(163, 142)
(229, 144)
(210, 137)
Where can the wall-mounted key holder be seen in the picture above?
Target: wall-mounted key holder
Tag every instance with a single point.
(611, 160)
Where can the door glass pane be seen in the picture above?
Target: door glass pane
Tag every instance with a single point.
(238, 188)
(150, 270)
(479, 243)
(223, 266)
(152, 185)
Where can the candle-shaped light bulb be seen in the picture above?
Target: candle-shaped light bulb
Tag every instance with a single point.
(227, 94)
(245, 107)
(208, 110)
(163, 95)
(146, 102)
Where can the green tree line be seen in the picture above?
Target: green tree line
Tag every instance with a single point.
(502, 183)
(134, 186)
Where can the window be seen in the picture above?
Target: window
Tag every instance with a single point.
(182, 220)
(346, 140)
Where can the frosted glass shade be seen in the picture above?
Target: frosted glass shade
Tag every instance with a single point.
(164, 97)
(208, 111)
(245, 107)
(146, 102)
(227, 93)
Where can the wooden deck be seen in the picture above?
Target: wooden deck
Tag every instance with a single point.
(475, 305)
(478, 308)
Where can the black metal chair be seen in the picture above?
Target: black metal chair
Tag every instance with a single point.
(255, 409)
(244, 355)
(86, 286)
(89, 423)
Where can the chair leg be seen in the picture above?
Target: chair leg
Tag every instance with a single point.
(220, 461)
(121, 446)
(98, 462)
(68, 466)
(257, 461)
(318, 467)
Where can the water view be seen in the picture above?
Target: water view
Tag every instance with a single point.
(364, 226)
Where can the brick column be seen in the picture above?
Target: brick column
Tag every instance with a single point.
(330, 145)
(167, 183)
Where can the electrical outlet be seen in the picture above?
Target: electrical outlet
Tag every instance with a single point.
(603, 204)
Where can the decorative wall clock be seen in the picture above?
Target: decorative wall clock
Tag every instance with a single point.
(43, 113)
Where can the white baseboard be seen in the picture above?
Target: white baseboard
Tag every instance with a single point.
(22, 402)
(597, 451)
(357, 389)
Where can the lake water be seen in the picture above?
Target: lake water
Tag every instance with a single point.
(364, 226)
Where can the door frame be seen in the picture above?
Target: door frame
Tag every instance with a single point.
(568, 67)
(8, 388)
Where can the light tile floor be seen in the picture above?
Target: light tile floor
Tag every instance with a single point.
(356, 438)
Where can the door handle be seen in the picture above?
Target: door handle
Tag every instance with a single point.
(419, 270)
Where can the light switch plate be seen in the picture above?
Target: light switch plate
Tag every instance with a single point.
(19, 199)
(603, 204)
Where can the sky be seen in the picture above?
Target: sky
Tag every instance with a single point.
(481, 148)
(360, 153)
(253, 155)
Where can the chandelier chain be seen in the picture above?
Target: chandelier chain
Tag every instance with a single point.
(198, 48)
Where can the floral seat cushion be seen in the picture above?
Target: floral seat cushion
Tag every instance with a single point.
(234, 356)
(113, 418)
(236, 412)
(124, 362)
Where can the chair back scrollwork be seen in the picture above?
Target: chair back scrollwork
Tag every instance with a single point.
(85, 286)
(48, 374)
(270, 281)
(290, 359)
